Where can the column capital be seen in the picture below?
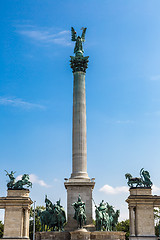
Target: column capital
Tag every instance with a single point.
(79, 63)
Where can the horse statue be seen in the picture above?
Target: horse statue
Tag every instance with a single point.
(115, 219)
(44, 219)
(99, 220)
(143, 181)
(24, 181)
(12, 184)
(54, 217)
(132, 181)
(60, 216)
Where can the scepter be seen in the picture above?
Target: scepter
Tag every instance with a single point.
(94, 202)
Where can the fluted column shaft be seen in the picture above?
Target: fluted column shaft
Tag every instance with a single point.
(79, 145)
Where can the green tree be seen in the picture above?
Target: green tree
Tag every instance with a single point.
(37, 221)
(1, 229)
(157, 221)
(123, 226)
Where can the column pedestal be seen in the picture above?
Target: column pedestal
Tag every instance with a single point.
(74, 188)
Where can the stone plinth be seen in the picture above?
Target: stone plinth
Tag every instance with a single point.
(52, 236)
(74, 188)
(141, 213)
(16, 219)
(81, 234)
(107, 235)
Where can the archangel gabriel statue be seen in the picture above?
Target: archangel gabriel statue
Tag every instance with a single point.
(78, 50)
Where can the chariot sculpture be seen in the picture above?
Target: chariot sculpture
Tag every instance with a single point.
(18, 185)
(142, 181)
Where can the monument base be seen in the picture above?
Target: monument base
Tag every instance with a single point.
(143, 238)
(15, 238)
(52, 236)
(76, 187)
(81, 234)
(107, 235)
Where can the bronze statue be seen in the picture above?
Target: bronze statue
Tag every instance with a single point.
(143, 181)
(78, 50)
(12, 184)
(79, 215)
(12, 181)
(106, 217)
(102, 217)
(54, 217)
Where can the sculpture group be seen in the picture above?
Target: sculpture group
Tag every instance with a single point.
(53, 218)
(17, 185)
(106, 217)
(142, 181)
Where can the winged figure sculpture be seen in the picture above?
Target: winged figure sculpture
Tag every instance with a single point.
(78, 49)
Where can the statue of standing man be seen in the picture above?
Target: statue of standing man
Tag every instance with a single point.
(80, 210)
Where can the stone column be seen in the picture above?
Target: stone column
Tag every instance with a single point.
(132, 221)
(79, 182)
(79, 142)
(79, 146)
(26, 223)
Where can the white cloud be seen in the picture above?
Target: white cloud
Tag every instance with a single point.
(17, 102)
(155, 189)
(155, 78)
(35, 179)
(45, 35)
(113, 190)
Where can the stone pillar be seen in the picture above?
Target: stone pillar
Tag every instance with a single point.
(26, 222)
(79, 145)
(16, 220)
(79, 182)
(141, 208)
(132, 220)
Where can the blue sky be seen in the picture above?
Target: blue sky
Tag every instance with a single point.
(122, 91)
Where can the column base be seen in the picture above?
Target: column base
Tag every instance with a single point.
(79, 175)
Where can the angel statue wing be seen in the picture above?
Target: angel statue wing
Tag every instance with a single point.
(74, 35)
(83, 34)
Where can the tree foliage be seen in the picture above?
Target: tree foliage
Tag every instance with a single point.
(37, 221)
(123, 226)
(157, 221)
(1, 229)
